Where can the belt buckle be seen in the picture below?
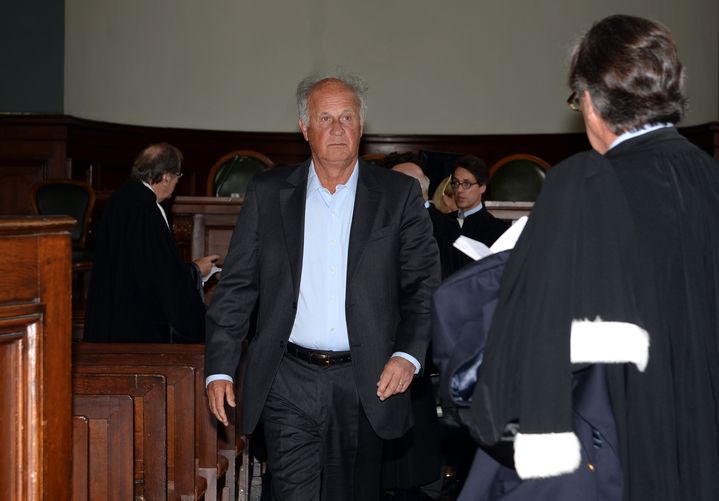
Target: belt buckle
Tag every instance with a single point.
(327, 361)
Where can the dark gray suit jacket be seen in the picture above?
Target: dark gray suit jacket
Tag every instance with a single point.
(392, 270)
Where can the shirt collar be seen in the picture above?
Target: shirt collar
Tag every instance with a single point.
(637, 132)
(471, 211)
(162, 210)
(314, 185)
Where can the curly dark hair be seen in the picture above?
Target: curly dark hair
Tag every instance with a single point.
(632, 71)
(475, 166)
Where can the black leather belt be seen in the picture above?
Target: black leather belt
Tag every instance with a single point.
(318, 357)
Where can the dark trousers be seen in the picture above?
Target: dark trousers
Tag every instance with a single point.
(320, 445)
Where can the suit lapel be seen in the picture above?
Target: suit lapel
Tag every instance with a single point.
(292, 205)
(365, 209)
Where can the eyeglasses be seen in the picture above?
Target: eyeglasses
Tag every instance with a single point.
(464, 184)
(573, 102)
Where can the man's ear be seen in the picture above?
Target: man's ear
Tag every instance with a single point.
(600, 135)
(303, 128)
(587, 107)
(482, 188)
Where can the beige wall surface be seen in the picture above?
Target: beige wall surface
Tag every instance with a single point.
(450, 67)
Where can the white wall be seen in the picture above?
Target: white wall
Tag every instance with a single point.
(436, 67)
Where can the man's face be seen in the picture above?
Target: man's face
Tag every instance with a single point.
(166, 186)
(467, 198)
(334, 128)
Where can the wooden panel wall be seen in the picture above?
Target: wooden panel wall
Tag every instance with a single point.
(30, 151)
(36, 147)
(35, 419)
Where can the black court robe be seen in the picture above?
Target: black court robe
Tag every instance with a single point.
(445, 231)
(481, 226)
(140, 288)
(619, 263)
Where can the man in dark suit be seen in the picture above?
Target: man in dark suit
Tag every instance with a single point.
(339, 258)
(141, 291)
(473, 220)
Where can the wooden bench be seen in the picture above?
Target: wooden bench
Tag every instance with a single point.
(217, 453)
(150, 435)
(104, 423)
(182, 481)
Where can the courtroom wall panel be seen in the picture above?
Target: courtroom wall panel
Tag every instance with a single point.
(30, 151)
(34, 147)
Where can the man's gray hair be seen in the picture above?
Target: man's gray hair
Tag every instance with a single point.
(306, 86)
(155, 161)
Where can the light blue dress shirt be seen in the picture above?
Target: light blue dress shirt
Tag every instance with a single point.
(320, 322)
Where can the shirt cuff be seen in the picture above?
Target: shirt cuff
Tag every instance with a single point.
(407, 356)
(217, 377)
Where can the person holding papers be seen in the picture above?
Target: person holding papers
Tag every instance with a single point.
(472, 219)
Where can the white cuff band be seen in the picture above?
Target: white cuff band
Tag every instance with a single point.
(609, 342)
(543, 455)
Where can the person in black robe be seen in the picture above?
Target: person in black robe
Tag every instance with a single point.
(618, 265)
(141, 291)
(472, 219)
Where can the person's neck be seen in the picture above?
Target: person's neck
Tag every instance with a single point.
(157, 189)
(603, 140)
(472, 210)
(332, 174)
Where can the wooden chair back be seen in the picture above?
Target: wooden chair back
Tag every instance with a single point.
(66, 197)
(231, 174)
(516, 178)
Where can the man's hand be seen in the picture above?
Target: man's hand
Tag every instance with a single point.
(216, 392)
(205, 263)
(395, 378)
